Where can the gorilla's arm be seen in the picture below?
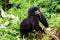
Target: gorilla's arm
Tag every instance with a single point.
(36, 26)
(43, 20)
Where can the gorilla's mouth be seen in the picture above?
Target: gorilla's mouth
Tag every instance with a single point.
(37, 12)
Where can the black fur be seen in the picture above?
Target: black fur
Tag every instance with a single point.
(32, 21)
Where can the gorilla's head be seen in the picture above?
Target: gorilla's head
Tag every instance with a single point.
(33, 11)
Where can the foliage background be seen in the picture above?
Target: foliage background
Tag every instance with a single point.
(50, 9)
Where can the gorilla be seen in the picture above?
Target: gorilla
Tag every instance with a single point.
(32, 21)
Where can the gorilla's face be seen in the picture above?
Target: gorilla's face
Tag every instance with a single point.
(34, 11)
(37, 12)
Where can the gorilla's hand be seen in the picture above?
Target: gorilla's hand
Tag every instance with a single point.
(48, 29)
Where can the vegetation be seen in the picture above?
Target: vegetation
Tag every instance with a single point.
(19, 9)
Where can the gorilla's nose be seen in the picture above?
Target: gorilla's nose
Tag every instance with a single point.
(37, 12)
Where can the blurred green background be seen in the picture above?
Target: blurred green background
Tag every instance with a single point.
(19, 8)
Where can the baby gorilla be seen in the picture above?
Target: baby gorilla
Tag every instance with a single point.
(32, 21)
